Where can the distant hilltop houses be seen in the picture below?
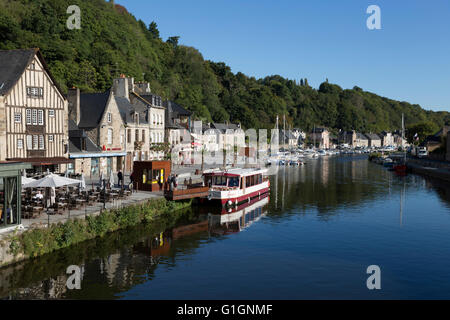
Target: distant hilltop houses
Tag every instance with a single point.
(96, 133)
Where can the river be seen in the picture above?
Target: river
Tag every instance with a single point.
(313, 238)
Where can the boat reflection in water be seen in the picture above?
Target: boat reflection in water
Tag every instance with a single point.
(236, 219)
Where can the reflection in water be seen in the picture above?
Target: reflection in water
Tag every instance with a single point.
(237, 219)
(321, 216)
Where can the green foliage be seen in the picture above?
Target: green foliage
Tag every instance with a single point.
(423, 129)
(37, 242)
(111, 41)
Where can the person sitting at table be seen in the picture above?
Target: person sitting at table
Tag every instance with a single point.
(38, 196)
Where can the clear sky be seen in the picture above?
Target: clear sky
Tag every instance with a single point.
(408, 59)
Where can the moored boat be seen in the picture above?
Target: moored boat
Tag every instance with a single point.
(234, 186)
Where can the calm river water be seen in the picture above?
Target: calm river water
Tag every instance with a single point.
(313, 238)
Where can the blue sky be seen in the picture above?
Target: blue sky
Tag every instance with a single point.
(408, 59)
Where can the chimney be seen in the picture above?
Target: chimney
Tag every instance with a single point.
(130, 84)
(73, 97)
(142, 88)
(121, 87)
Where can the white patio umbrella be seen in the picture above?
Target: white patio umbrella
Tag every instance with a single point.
(82, 182)
(26, 180)
(51, 181)
(111, 179)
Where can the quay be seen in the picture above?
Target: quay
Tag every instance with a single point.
(431, 168)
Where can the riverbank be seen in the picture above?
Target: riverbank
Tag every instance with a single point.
(437, 173)
(34, 242)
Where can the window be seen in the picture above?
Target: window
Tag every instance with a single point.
(143, 136)
(35, 142)
(154, 118)
(17, 117)
(109, 117)
(41, 117)
(110, 136)
(34, 116)
(28, 115)
(136, 135)
(29, 142)
(33, 66)
(129, 136)
(51, 113)
(41, 142)
(50, 138)
(35, 92)
(19, 144)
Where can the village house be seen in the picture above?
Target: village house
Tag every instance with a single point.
(374, 140)
(141, 97)
(435, 141)
(321, 137)
(96, 116)
(229, 135)
(178, 131)
(386, 139)
(33, 112)
(347, 138)
(399, 142)
(361, 141)
(288, 139)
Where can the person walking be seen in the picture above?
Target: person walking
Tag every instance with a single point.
(120, 178)
(131, 185)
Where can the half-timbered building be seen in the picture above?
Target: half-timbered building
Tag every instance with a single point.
(33, 112)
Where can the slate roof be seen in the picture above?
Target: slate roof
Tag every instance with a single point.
(149, 98)
(176, 109)
(12, 66)
(360, 136)
(127, 109)
(75, 137)
(223, 127)
(372, 136)
(92, 107)
(14, 62)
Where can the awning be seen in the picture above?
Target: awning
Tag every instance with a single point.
(97, 155)
(44, 161)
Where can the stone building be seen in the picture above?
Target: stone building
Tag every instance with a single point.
(96, 116)
(386, 139)
(33, 112)
(374, 140)
(321, 137)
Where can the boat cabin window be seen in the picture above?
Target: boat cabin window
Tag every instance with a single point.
(253, 180)
(220, 181)
(233, 182)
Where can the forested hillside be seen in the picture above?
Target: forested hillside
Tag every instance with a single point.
(111, 41)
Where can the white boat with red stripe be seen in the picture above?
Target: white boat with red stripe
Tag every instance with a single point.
(232, 187)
